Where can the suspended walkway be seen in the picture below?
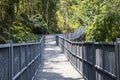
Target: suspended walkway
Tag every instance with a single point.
(56, 58)
(55, 65)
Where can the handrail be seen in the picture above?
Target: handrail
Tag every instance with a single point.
(97, 43)
(91, 58)
(22, 60)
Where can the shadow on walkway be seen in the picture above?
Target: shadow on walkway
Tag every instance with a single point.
(55, 66)
(53, 76)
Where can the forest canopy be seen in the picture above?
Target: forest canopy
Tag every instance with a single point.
(22, 20)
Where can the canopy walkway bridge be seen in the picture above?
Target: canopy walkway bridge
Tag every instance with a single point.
(56, 65)
(56, 58)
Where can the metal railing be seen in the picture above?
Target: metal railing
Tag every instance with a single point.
(95, 60)
(76, 34)
(20, 61)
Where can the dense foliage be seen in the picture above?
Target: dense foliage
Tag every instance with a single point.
(21, 20)
(101, 18)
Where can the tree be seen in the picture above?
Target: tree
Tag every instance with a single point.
(106, 24)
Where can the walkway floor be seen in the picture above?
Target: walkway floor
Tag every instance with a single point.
(56, 66)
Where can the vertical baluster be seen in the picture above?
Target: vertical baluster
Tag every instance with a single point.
(118, 57)
(10, 60)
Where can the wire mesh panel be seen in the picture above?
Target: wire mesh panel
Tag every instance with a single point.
(23, 55)
(99, 56)
(16, 60)
(4, 63)
(88, 61)
(85, 69)
(32, 52)
(99, 75)
(19, 78)
(29, 53)
(109, 59)
(24, 75)
(105, 61)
